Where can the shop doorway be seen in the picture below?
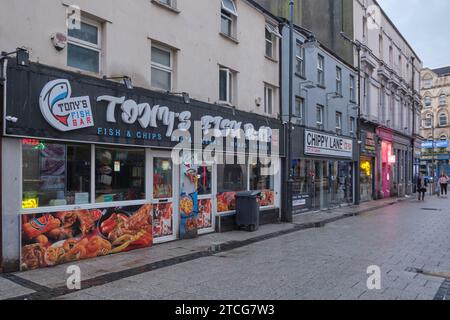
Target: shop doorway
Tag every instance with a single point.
(163, 186)
(196, 197)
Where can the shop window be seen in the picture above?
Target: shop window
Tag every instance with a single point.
(162, 68)
(302, 176)
(231, 178)
(162, 178)
(260, 180)
(84, 47)
(119, 174)
(55, 174)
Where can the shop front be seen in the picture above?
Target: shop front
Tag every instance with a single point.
(367, 164)
(386, 164)
(439, 152)
(402, 184)
(323, 171)
(94, 168)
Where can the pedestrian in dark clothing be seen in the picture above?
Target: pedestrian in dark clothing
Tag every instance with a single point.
(421, 187)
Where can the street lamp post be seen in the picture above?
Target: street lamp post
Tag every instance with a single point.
(357, 46)
(431, 117)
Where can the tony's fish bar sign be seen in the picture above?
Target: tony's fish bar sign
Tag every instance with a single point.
(317, 143)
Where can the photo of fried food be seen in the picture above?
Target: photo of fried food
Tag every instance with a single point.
(186, 205)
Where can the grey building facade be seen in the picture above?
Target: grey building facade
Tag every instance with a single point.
(324, 148)
(325, 18)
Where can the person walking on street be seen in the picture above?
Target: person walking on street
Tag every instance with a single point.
(421, 187)
(443, 182)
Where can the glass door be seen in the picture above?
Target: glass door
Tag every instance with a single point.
(163, 186)
(205, 219)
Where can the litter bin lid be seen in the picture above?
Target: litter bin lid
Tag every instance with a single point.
(248, 194)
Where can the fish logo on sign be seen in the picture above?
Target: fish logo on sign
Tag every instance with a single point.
(63, 112)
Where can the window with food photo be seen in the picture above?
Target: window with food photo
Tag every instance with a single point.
(262, 180)
(231, 178)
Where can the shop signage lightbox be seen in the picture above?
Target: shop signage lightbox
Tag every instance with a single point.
(437, 144)
(318, 143)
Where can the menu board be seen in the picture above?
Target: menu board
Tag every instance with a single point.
(50, 239)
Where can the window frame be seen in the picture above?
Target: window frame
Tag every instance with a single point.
(229, 86)
(87, 45)
(425, 100)
(320, 70)
(268, 88)
(300, 59)
(300, 115)
(161, 67)
(352, 83)
(224, 7)
(270, 42)
(442, 99)
(441, 115)
(320, 111)
(229, 17)
(339, 80)
(352, 127)
(338, 122)
(425, 121)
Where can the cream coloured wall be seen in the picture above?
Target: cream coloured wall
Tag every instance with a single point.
(130, 27)
(382, 71)
(440, 85)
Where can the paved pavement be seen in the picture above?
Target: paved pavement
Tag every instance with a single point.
(318, 256)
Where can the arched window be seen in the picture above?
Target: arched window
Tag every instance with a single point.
(427, 101)
(427, 121)
(443, 137)
(443, 99)
(443, 119)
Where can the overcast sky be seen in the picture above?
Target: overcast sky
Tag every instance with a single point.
(426, 26)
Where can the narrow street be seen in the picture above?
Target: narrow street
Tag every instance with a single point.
(409, 241)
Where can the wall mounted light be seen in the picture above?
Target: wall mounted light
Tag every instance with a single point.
(126, 80)
(185, 96)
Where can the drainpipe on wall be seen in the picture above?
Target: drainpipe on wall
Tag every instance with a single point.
(3, 67)
(413, 124)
